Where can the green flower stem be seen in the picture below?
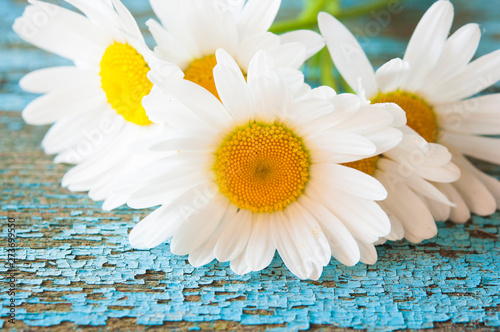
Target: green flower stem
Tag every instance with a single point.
(327, 70)
(309, 19)
(312, 8)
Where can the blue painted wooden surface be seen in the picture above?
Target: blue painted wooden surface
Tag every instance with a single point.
(77, 268)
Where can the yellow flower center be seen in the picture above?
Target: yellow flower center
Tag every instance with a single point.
(201, 72)
(420, 117)
(262, 167)
(419, 114)
(367, 165)
(123, 79)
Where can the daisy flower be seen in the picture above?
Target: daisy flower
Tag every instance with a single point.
(436, 84)
(417, 174)
(260, 170)
(192, 30)
(95, 104)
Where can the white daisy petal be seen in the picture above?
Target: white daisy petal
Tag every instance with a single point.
(367, 120)
(182, 141)
(168, 47)
(309, 109)
(364, 218)
(397, 228)
(155, 194)
(458, 51)
(474, 124)
(194, 231)
(257, 16)
(201, 102)
(281, 54)
(165, 221)
(113, 201)
(200, 257)
(391, 75)
(342, 244)
(205, 254)
(427, 42)
(271, 96)
(491, 183)
(161, 224)
(252, 45)
(173, 15)
(312, 40)
(342, 142)
(296, 80)
(427, 189)
(439, 211)
(48, 79)
(350, 181)
(235, 237)
(484, 148)
(320, 249)
(478, 198)
(260, 248)
(398, 114)
(314, 248)
(460, 213)
(316, 272)
(65, 33)
(127, 20)
(347, 54)
(385, 139)
(437, 155)
(239, 265)
(54, 105)
(286, 247)
(323, 92)
(260, 66)
(101, 12)
(405, 205)
(233, 91)
(67, 132)
(471, 116)
(167, 168)
(102, 158)
(368, 252)
(161, 108)
(445, 173)
(480, 74)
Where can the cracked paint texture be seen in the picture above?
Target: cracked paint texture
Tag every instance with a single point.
(76, 267)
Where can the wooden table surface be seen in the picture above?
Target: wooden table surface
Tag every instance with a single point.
(76, 267)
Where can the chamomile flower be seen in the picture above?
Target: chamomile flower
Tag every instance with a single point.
(417, 173)
(192, 30)
(95, 104)
(260, 170)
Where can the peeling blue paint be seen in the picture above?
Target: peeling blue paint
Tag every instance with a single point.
(410, 286)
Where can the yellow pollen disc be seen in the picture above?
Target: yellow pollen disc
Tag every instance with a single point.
(367, 165)
(262, 167)
(123, 79)
(201, 72)
(419, 114)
